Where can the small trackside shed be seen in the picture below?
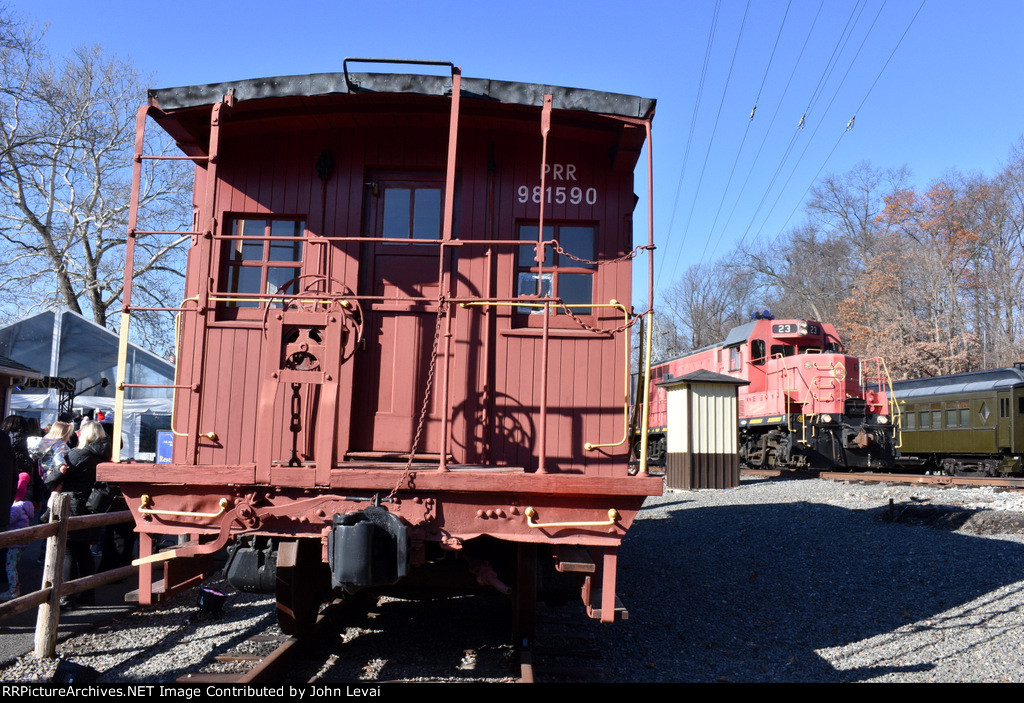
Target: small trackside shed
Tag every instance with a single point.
(703, 437)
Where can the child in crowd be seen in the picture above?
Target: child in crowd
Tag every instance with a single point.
(21, 516)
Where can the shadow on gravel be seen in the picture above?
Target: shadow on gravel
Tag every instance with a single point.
(753, 593)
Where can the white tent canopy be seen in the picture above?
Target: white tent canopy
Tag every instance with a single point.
(64, 344)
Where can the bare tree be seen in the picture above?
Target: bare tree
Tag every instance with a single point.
(848, 206)
(803, 274)
(67, 132)
(702, 306)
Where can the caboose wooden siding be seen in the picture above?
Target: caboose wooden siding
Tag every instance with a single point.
(267, 171)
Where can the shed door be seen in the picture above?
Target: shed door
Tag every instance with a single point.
(391, 373)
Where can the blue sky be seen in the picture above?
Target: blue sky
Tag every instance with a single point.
(934, 85)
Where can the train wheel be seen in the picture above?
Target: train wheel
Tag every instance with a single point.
(299, 592)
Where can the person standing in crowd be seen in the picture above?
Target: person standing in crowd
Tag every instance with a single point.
(77, 484)
(21, 515)
(118, 539)
(52, 454)
(13, 427)
(7, 476)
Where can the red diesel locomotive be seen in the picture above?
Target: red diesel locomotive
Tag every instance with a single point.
(404, 342)
(807, 404)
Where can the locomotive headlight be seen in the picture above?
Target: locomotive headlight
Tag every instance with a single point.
(882, 419)
(803, 327)
(826, 418)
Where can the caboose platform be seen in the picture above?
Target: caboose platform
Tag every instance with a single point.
(382, 476)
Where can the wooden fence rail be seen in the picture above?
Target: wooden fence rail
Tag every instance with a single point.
(53, 587)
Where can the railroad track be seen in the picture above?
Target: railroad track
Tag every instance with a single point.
(259, 658)
(1010, 484)
(562, 650)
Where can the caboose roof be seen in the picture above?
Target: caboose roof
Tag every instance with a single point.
(184, 97)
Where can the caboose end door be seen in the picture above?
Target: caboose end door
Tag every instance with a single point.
(402, 276)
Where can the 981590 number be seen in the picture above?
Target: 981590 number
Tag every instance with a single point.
(558, 195)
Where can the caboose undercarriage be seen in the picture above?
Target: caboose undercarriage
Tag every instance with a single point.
(310, 544)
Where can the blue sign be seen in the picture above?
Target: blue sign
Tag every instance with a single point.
(164, 445)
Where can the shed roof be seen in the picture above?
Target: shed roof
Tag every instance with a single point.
(703, 376)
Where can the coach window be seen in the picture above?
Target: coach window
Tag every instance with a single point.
(925, 422)
(951, 416)
(908, 419)
(567, 274)
(267, 264)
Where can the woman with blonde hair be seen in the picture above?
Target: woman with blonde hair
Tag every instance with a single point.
(51, 451)
(77, 484)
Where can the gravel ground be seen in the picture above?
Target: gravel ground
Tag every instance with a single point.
(774, 581)
(810, 580)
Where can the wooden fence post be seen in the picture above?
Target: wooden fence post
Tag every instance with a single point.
(53, 574)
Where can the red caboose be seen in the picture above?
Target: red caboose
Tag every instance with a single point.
(807, 404)
(404, 337)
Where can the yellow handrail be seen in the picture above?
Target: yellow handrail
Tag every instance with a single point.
(148, 500)
(531, 513)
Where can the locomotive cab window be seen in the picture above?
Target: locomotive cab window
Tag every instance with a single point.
(567, 274)
(264, 260)
(757, 347)
(735, 358)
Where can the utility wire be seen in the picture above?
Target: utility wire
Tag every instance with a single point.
(849, 125)
(775, 115)
(864, 100)
(843, 39)
(746, 131)
(689, 139)
(714, 130)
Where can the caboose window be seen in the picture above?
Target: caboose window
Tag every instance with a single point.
(568, 274)
(412, 212)
(263, 264)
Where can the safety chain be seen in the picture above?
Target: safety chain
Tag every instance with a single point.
(442, 307)
(599, 330)
(636, 250)
(296, 424)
